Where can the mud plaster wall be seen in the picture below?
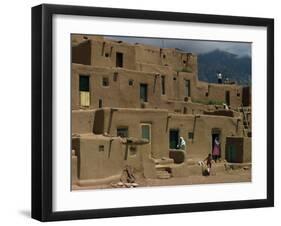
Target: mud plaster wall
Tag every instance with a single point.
(133, 119)
(82, 121)
(100, 158)
(202, 127)
(199, 146)
(247, 147)
(95, 162)
(119, 93)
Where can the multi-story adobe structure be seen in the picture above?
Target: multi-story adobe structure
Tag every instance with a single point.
(132, 102)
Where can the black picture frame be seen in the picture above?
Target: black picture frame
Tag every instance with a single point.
(42, 108)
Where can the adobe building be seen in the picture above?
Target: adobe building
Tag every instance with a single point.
(131, 103)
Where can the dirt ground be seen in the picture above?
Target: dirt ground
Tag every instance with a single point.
(230, 176)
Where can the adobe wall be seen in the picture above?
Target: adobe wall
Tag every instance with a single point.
(167, 57)
(133, 118)
(120, 94)
(247, 146)
(82, 121)
(202, 127)
(161, 122)
(150, 61)
(111, 154)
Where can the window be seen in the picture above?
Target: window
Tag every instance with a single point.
(105, 81)
(190, 135)
(122, 132)
(143, 92)
(163, 85)
(133, 151)
(100, 103)
(145, 131)
(187, 88)
(119, 59)
(131, 82)
(101, 148)
(84, 90)
(115, 76)
(84, 83)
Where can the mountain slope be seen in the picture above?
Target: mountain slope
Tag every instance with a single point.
(230, 65)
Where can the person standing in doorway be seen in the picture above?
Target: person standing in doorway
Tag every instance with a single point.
(219, 76)
(182, 144)
(216, 149)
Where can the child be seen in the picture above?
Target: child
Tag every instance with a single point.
(208, 161)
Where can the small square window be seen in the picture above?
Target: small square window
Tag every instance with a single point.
(238, 94)
(115, 76)
(190, 135)
(105, 81)
(101, 148)
(131, 82)
(133, 150)
(122, 132)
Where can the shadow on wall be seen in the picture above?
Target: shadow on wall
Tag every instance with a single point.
(98, 125)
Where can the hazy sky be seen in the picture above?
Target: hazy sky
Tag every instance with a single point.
(194, 46)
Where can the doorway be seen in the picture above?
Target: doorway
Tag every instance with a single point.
(174, 138)
(119, 59)
(187, 88)
(227, 98)
(143, 92)
(216, 133)
(84, 90)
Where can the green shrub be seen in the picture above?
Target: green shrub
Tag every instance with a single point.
(185, 69)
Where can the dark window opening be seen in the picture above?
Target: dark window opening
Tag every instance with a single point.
(115, 76)
(119, 59)
(185, 110)
(164, 56)
(131, 82)
(190, 135)
(105, 81)
(84, 83)
(238, 94)
(143, 92)
(133, 150)
(175, 78)
(106, 54)
(184, 61)
(122, 132)
(101, 148)
(163, 85)
(100, 103)
(206, 94)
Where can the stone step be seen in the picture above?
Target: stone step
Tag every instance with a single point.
(234, 166)
(163, 161)
(165, 166)
(163, 174)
